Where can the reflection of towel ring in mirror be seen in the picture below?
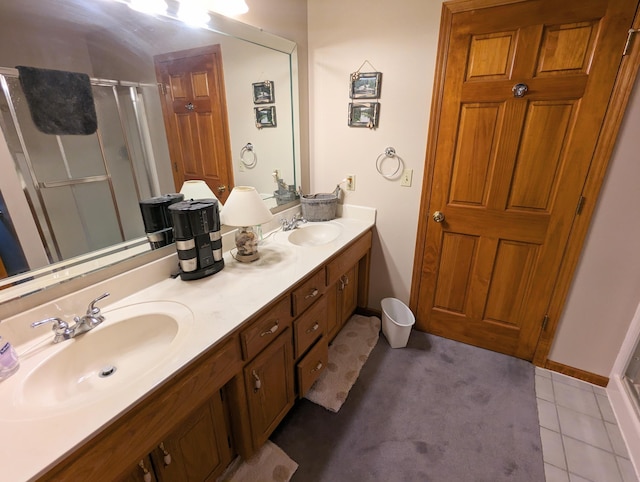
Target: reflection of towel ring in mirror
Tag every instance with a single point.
(243, 152)
(389, 152)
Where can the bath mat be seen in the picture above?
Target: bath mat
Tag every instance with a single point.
(269, 464)
(347, 354)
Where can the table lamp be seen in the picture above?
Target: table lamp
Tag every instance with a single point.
(197, 189)
(245, 208)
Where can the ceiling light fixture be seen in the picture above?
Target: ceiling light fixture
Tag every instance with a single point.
(193, 12)
(229, 8)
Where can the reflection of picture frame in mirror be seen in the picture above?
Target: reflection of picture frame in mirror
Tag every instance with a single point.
(365, 85)
(264, 92)
(265, 116)
(364, 114)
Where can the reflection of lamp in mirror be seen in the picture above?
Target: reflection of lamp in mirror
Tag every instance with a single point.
(196, 189)
(245, 208)
(228, 8)
(151, 7)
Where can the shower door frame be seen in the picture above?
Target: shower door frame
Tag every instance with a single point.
(38, 206)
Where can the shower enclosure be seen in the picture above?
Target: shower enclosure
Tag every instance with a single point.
(623, 390)
(631, 377)
(83, 191)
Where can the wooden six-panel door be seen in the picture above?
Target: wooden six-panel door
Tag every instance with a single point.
(524, 94)
(195, 117)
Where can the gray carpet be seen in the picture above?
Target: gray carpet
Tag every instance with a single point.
(435, 411)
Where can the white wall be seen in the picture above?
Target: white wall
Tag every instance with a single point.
(399, 38)
(606, 289)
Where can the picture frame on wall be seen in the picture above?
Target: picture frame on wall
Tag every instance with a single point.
(365, 85)
(265, 116)
(264, 92)
(364, 114)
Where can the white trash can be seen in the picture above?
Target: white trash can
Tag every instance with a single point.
(397, 321)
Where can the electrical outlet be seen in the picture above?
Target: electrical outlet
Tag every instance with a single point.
(407, 176)
(351, 182)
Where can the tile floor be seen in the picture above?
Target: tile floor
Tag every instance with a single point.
(581, 440)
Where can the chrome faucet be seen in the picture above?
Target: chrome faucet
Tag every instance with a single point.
(293, 223)
(82, 324)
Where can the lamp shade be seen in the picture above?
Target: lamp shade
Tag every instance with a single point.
(245, 207)
(197, 189)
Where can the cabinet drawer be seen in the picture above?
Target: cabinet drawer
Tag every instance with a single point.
(348, 258)
(307, 293)
(265, 329)
(310, 326)
(312, 365)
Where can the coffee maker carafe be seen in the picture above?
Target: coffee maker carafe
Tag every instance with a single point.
(196, 226)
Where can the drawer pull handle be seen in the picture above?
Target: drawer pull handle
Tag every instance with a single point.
(318, 367)
(165, 452)
(257, 384)
(271, 330)
(313, 328)
(312, 294)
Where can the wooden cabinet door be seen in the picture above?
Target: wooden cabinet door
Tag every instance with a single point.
(347, 294)
(200, 449)
(270, 387)
(522, 90)
(195, 117)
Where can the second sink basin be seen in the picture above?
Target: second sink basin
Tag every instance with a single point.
(315, 234)
(131, 343)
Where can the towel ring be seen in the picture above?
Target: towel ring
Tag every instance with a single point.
(389, 152)
(243, 152)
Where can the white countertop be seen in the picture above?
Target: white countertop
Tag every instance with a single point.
(36, 437)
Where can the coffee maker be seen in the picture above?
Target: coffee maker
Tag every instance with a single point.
(196, 226)
(157, 220)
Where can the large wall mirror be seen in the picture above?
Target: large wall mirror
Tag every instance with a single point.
(66, 199)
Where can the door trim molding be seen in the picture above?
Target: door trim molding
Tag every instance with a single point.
(625, 79)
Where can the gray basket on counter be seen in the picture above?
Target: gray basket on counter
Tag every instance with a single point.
(319, 207)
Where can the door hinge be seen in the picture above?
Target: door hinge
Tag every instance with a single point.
(625, 51)
(175, 166)
(580, 205)
(545, 321)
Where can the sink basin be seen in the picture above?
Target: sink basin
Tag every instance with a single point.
(130, 344)
(315, 234)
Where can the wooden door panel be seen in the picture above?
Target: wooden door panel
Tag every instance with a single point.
(567, 48)
(510, 280)
(534, 181)
(474, 152)
(508, 171)
(491, 56)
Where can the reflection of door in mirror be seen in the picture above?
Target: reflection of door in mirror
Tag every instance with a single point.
(195, 117)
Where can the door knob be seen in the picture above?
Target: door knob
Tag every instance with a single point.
(222, 189)
(519, 90)
(438, 217)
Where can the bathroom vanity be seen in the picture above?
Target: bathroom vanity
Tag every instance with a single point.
(256, 341)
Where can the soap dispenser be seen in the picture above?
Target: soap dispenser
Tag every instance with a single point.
(9, 363)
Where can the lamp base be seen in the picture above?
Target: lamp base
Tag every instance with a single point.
(247, 258)
(246, 244)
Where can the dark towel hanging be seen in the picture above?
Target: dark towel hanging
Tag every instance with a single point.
(61, 103)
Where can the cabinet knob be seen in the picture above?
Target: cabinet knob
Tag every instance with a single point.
(165, 452)
(313, 328)
(271, 330)
(317, 367)
(257, 384)
(146, 474)
(312, 294)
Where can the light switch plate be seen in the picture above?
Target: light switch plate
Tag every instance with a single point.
(407, 176)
